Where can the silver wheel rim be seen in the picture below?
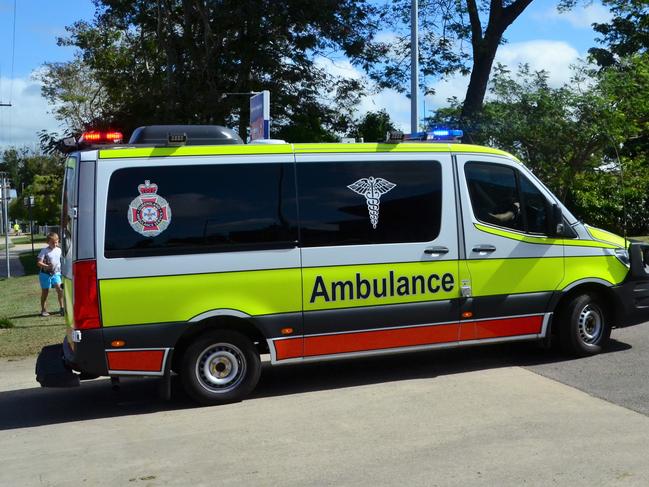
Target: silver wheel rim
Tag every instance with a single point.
(591, 324)
(221, 367)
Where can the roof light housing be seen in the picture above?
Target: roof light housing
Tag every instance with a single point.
(173, 135)
(434, 135)
(97, 137)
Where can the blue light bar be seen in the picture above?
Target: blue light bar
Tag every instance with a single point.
(441, 134)
(435, 135)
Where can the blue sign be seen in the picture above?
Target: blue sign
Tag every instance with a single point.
(260, 116)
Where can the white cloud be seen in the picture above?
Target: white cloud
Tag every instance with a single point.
(28, 114)
(580, 17)
(555, 57)
(338, 67)
(395, 103)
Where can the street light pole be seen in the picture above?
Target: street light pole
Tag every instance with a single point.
(4, 193)
(31, 222)
(414, 67)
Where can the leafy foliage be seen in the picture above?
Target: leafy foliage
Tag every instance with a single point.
(570, 136)
(625, 35)
(175, 61)
(38, 175)
(456, 36)
(373, 126)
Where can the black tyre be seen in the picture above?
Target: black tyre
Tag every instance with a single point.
(219, 367)
(584, 326)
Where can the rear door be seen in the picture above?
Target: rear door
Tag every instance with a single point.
(512, 267)
(379, 249)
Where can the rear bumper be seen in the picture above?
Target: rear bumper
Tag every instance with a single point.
(52, 369)
(88, 355)
(632, 302)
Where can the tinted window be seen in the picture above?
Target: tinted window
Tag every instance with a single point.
(67, 208)
(494, 194)
(535, 207)
(213, 208)
(351, 203)
(502, 196)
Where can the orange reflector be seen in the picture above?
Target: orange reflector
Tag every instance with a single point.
(117, 343)
(467, 314)
(286, 331)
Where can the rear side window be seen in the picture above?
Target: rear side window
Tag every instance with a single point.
(355, 203)
(215, 208)
(68, 205)
(502, 196)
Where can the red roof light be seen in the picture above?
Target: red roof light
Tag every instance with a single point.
(101, 137)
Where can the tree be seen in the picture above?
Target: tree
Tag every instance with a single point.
(46, 190)
(38, 175)
(625, 35)
(373, 126)
(569, 137)
(456, 36)
(78, 98)
(174, 61)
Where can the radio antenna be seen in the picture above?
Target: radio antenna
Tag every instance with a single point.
(619, 164)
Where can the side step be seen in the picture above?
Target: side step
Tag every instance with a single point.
(51, 370)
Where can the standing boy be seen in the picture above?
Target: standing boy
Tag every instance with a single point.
(49, 262)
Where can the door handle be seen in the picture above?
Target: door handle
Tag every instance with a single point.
(438, 249)
(484, 248)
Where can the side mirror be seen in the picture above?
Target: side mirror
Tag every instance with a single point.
(555, 221)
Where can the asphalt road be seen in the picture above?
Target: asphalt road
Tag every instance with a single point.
(499, 415)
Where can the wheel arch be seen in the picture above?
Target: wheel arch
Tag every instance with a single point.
(218, 320)
(599, 287)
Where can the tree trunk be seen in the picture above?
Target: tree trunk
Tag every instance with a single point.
(485, 47)
(480, 72)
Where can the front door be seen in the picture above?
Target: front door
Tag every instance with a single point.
(378, 236)
(512, 267)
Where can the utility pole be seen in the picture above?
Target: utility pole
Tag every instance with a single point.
(4, 195)
(414, 67)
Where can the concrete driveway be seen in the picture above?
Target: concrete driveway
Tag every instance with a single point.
(490, 416)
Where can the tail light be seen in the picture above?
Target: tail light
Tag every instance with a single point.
(86, 298)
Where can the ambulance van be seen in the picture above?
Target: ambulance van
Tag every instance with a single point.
(186, 250)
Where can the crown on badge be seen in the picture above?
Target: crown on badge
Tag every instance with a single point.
(148, 187)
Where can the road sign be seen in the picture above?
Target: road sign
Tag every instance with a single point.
(260, 116)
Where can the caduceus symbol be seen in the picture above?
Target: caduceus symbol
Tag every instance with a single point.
(372, 188)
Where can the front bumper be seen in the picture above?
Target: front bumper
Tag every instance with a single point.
(632, 299)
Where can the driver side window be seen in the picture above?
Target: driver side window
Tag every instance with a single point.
(504, 197)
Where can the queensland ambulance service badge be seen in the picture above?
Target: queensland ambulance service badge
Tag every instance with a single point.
(149, 214)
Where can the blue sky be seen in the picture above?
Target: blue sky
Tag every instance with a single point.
(541, 36)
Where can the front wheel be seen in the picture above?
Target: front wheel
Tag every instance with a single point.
(584, 326)
(220, 367)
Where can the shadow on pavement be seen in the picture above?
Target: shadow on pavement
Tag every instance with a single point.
(95, 399)
(33, 315)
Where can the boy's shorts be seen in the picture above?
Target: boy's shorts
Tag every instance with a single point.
(48, 280)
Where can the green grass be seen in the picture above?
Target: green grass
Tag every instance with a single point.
(6, 323)
(19, 303)
(25, 239)
(29, 263)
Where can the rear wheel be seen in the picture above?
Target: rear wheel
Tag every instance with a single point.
(585, 327)
(220, 367)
